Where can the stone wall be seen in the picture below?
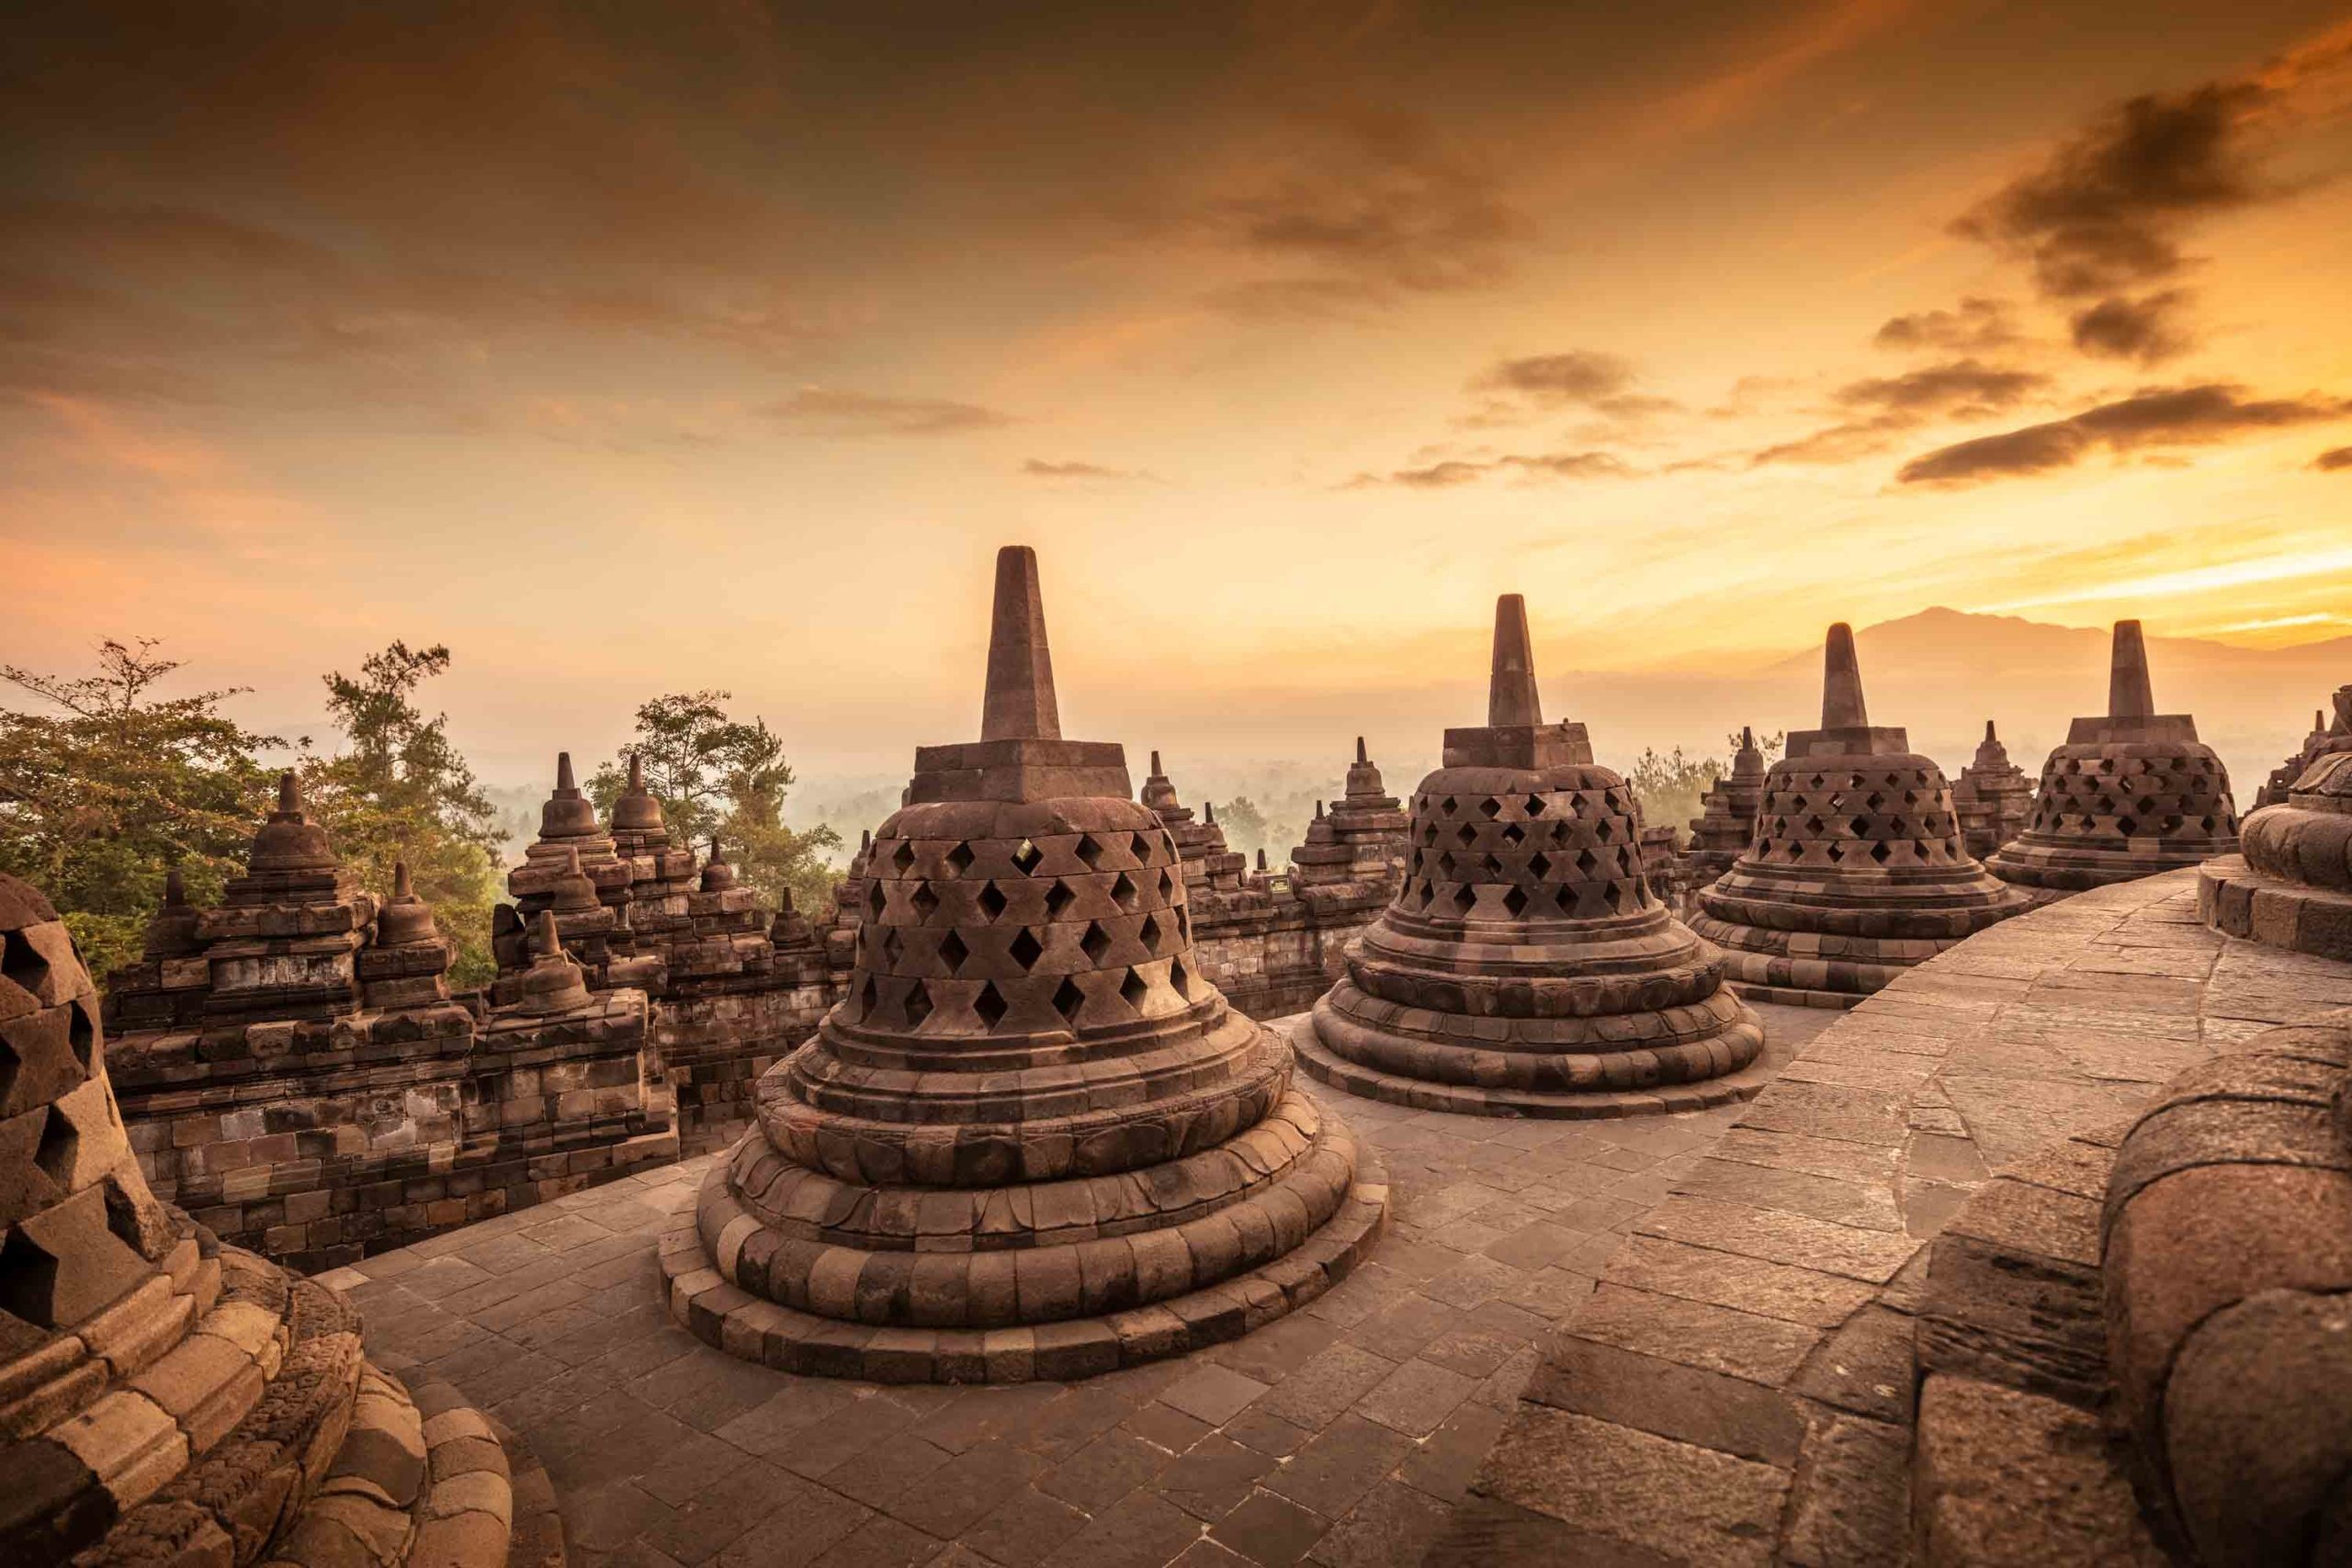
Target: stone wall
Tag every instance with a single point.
(713, 1047)
(1275, 960)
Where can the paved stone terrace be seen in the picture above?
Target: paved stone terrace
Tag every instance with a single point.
(1739, 1387)
(1344, 1435)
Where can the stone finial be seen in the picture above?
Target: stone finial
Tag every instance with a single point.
(1746, 738)
(290, 793)
(401, 886)
(174, 889)
(567, 813)
(634, 809)
(1841, 683)
(575, 892)
(1990, 739)
(1020, 702)
(1361, 756)
(1208, 814)
(718, 876)
(865, 841)
(292, 841)
(545, 939)
(1262, 858)
(636, 774)
(2129, 695)
(1157, 770)
(406, 918)
(563, 779)
(784, 903)
(1511, 700)
(1319, 811)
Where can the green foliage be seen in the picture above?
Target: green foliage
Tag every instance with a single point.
(714, 774)
(1245, 826)
(401, 792)
(99, 798)
(1669, 785)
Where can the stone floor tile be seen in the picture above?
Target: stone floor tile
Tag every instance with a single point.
(1213, 1477)
(1104, 1470)
(1416, 1398)
(881, 1543)
(1326, 1384)
(1343, 1461)
(888, 1471)
(967, 1488)
(1394, 1525)
(1141, 1531)
(1214, 1393)
(1270, 1530)
(1268, 1434)
(1162, 1426)
(1024, 1530)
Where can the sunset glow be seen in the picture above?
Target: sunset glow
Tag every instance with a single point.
(722, 345)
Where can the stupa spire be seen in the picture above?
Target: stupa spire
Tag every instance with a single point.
(1841, 683)
(1361, 756)
(1020, 702)
(563, 779)
(290, 793)
(2128, 693)
(1511, 699)
(401, 886)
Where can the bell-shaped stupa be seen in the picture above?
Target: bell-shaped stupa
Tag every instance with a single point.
(1858, 870)
(2327, 737)
(1525, 968)
(2291, 883)
(1032, 1141)
(2131, 793)
(169, 1399)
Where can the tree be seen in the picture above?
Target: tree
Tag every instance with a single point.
(715, 775)
(401, 792)
(1244, 825)
(1669, 785)
(101, 798)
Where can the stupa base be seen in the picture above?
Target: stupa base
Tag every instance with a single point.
(1814, 969)
(2233, 898)
(1469, 1099)
(755, 1328)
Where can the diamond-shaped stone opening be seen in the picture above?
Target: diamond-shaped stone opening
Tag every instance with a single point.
(1514, 835)
(1564, 899)
(1149, 932)
(1095, 943)
(1026, 949)
(1465, 835)
(1816, 825)
(874, 899)
(1614, 893)
(959, 858)
(993, 901)
(1515, 901)
(1587, 862)
(952, 953)
(1181, 978)
(1879, 852)
(82, 1033)
(1874, 800)
(865, 995)
(1834, 852)
(1602, 831)
(1141, 845)
(59, 1142)
(1134, 989)
(1059, 897)
(1463, 900)
(893, 944)
(1167, 886)
(28, 1278)
(1123, 891)
(1027, 856)
(990, 1005)
(1445, 865)
(1069, 999)
(1533, 806)
(1448, 804)
(1540, 864)
(1428, 835)
(926, 902)
(1860, 827)
(1492, 867)
(905, 857)
(22, 962)
(2129, 825)
(918, 1004)
(1183, 925)
(1090, 850)
(1490, 808)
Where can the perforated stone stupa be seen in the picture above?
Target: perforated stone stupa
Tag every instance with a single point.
(1993, 796)
(1858, 870)
(2131, 793)
(1525, 968)
(1031, 1142)
(167, 1400)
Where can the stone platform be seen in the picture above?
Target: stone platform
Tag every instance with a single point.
(1738, 1389)
(1343, 1435)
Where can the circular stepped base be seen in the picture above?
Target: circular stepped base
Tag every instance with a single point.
(1468, 1099)
(1793, 996)
(2233, 898)
(733, 1320)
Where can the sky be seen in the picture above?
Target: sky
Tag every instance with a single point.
(627, 349)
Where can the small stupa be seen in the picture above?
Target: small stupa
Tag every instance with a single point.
(661, 873)
(1362, 840)
(1726, 825)
(1858, 871)
(1032, 1141)
(1525, 967)
(573, 869)
(2131, 793)
(1993, 796)
(1213, 870)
